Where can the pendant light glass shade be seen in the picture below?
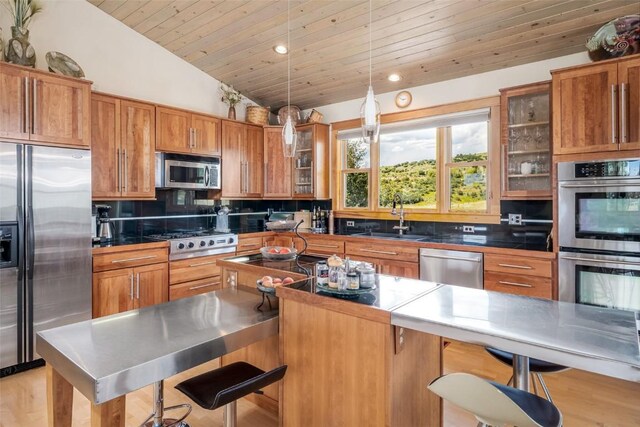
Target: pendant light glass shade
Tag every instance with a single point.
(370, 118)
(289, 134)
(289, 138)
(370, 110)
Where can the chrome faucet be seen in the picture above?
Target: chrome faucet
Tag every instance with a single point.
(402, 228)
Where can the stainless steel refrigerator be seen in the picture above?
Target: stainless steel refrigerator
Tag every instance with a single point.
(45, 245)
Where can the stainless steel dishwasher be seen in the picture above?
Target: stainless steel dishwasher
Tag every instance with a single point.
(452, 267)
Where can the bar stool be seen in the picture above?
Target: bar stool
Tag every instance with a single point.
(537, 367)
(225, 385)
(157, 419)
(495, 404)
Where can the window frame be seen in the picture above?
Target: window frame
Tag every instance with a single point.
(443, 165)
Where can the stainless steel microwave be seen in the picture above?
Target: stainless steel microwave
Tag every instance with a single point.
(188, 172)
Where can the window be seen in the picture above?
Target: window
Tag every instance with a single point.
(439, 164)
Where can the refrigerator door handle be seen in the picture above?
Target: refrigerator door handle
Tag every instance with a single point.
(20, 210)
(30, 232)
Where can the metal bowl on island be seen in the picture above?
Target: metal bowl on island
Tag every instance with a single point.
(279, 253)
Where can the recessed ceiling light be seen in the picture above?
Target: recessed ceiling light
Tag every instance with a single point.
(281, 49)
(394, 77)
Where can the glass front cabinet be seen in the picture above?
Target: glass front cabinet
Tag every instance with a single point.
(525, 140)
(311, 162)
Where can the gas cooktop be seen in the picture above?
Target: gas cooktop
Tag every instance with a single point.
(190, 244)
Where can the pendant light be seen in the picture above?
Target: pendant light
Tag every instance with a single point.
(289, 134)
(370, 110)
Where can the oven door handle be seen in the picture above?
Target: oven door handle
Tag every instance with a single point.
(602, 261)
(605, 184)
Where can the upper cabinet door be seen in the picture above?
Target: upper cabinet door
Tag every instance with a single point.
(277, 168)
(206, 135)
(629, 96)
(61, 110)
(253, 159)
(137, 124)
(14, 92)
(233, 169)
(174, 130)
(105, 147)
(584, 109)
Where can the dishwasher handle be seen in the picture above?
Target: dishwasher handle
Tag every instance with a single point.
(474, 259)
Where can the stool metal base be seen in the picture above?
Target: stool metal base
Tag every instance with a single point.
(230, 414)
(156, 419)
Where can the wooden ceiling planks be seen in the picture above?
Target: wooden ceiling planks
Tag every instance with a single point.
(424, 41)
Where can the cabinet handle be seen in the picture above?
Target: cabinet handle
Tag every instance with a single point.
(119, 166)
(190, 137)
(624, 130)
(138, 286)
(27, 106)
(241, 177)
(320, 245)
(522, 267)
(116, 261)
(34, 118)
(131, 286)
(520, 285)
(125, 185)
(614, 119)
(312, 175)
(266, 181)
(246, 171)
(195, 138)
(373, 251)
(202, 263)
(193, 288)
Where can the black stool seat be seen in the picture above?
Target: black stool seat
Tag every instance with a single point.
(540, 410)
(535, 365)
(227, 384)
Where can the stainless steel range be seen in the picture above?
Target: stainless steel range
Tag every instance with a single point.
(195, 244)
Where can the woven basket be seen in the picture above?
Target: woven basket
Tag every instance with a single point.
(257, 115)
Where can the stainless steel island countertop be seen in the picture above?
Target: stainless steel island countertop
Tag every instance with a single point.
(593, 339)
(111, 356)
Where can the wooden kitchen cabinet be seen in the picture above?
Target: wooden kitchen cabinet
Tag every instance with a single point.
(129, 278)
(43, 107)
(311, 162)
(181, 131)
(123, 148)
(408, 270)
(242, 168)
(520, 275)
(248, 245)
(193, 276)
(124, 289)
(284, 241)
(526, 142)
(277, 168)
(306, 175)
(593, 107)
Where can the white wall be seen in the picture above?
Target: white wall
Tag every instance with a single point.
(461, 89)
(117, 59)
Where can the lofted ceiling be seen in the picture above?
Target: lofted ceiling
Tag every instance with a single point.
(423, 41)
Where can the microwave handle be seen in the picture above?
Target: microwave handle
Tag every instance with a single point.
(206, 176)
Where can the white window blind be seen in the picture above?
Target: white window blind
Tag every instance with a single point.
(464, 117)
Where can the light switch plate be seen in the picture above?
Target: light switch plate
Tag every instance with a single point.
(468, 229)
(351, 223)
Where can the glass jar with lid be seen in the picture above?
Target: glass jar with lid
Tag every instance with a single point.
(367, 275)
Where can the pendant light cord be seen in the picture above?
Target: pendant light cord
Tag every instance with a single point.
(289, 57)
(369, 43)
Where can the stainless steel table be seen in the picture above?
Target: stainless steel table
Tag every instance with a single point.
(593, 339)
(111, 356)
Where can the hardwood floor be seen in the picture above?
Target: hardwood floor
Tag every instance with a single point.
(585, 399)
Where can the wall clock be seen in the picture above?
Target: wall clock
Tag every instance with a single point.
(403, 99)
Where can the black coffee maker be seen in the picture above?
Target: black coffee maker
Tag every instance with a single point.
(105, 230)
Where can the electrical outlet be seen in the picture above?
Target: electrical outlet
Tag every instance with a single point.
(515, 219)
(351, 223)
(468, 229)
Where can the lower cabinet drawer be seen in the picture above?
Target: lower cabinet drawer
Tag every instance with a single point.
(390, 251)
(186, 270)
(329, 247)
(124, 259)
(249, 245)
(195, 287)
(530, 286)
(514, 264)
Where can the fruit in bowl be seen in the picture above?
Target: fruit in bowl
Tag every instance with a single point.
(274, 282)
(278, 252)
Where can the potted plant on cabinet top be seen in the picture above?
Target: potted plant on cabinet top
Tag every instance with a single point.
(19, 50)
(231, 97)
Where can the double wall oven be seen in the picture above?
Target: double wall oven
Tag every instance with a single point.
(599, 233)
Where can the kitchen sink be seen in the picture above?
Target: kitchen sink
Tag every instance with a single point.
(394, 236)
